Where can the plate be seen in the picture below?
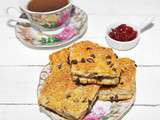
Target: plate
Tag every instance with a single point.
(102, 110)
(34, 38)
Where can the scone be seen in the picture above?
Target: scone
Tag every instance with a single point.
(61, 95)
(91, 61)
(126, 88)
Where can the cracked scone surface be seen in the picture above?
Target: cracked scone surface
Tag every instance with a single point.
(61, 95)
(89, 60)
(127, 86)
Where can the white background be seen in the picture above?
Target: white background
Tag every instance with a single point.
(20, 66)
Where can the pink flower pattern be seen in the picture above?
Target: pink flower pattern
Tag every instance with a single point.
(99, 110)
(63, 18)
(66, 34)
(91, 117)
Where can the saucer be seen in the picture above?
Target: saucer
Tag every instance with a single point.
(102, 110)
(72, 31)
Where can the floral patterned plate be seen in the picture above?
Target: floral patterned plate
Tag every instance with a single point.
(73, 30)
(102, 110)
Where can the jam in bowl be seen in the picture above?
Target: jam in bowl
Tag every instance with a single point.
(123, 33)
(122, 36)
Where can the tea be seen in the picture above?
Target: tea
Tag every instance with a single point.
(46, 5)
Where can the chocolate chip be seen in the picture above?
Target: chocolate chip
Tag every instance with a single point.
(121, 83)
(109, 62)
(51, 63)
(125, 68)
(68, 96)
(111, 65)
(74, 62)
(68, 61)
(77, 80)
(94, 73)
(90, 60)
(99, 78)
(122, 71)
(116, 55)
(89, 102)
(111, 98)
(59, 66)
(65, 108)
(84, 100)
(114, 69)
(108, 57)
(88, 48)
(116, 98)
(83, 60)
(135, 65)
(93, 55)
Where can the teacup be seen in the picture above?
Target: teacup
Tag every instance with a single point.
(43, 20)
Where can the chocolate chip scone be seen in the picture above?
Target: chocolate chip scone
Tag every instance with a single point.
(126, 88)
(61, 95)
(91, 63)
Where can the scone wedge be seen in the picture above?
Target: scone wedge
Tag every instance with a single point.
(127, 86)
(61, 95)
(91, 63)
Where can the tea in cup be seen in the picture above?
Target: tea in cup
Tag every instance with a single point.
(44, 14)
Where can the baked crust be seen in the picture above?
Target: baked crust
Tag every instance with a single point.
(61, 95)
(127, 86)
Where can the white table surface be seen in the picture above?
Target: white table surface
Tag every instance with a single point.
(20, 66)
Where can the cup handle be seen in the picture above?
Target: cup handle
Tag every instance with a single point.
(14, 18)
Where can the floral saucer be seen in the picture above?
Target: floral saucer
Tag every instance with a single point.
(34, 38)
(102, 110)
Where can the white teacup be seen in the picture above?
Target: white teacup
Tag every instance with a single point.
(43, 20)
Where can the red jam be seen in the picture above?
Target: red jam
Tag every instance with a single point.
(123, 33)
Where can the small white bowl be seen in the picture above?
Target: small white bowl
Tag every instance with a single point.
(122, 46)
